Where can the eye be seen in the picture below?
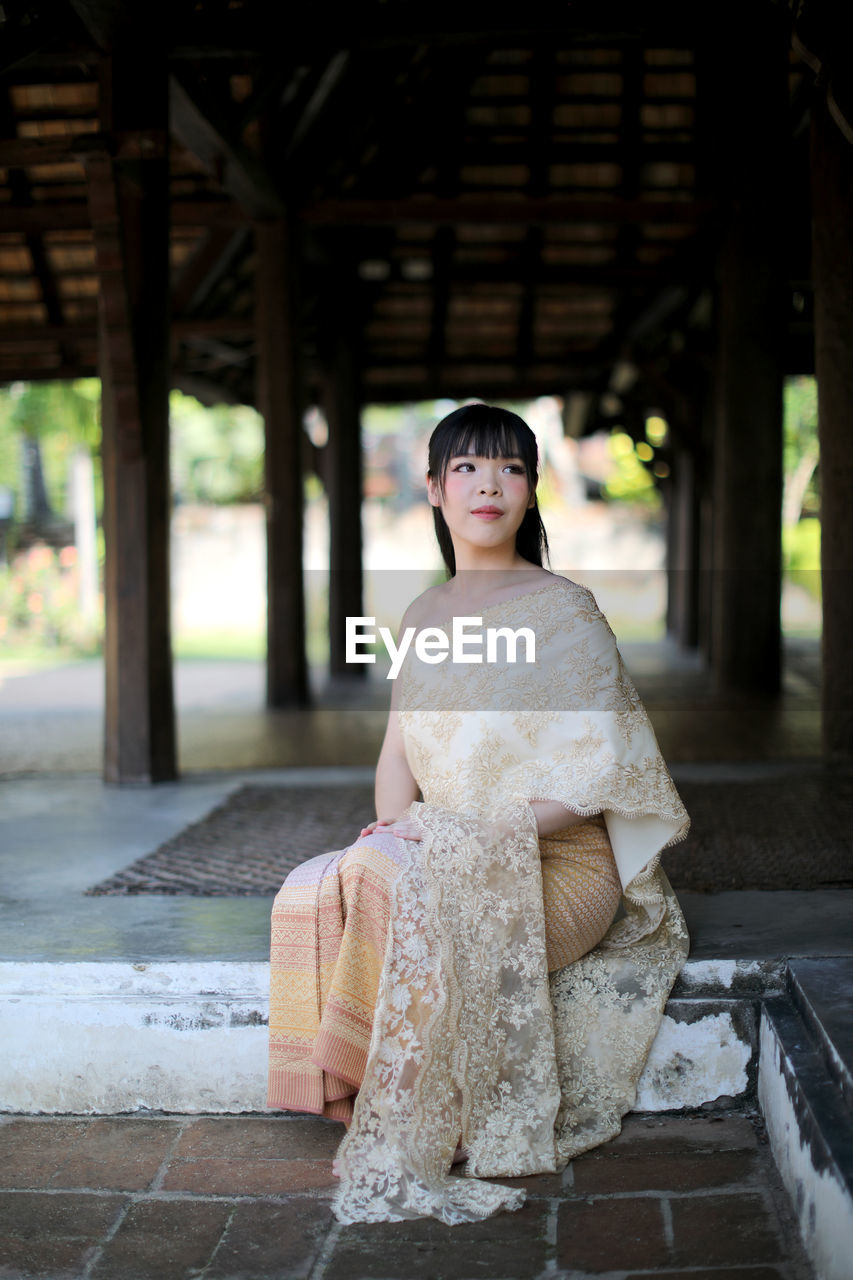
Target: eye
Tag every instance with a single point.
(515, 467)
(462, 465)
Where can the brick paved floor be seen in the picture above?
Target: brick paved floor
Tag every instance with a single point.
(248, 1197)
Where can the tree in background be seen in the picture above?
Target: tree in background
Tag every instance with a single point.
(801, 501)
(42, 424)
(217, 454)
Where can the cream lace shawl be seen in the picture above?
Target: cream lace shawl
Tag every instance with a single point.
(472, 1040)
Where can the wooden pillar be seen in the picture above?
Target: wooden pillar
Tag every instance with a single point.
(280, 401)
(683, 557)
(705, 516)
(128, 189)
(832, 271)
(752, 311)
(342, 401)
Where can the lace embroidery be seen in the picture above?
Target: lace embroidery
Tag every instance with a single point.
(463, 1044)
(471, 1040)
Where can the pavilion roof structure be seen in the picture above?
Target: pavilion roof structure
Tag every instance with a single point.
(642, 209)
(514, 201)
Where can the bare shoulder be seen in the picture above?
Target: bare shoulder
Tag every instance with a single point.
(428, 608)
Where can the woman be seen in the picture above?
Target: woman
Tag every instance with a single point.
(458, 972)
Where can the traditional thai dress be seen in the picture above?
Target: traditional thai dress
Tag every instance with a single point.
(474, 987)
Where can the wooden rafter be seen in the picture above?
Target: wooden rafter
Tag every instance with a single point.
(503, 211)
(73, 215)
(202, 125)
(199, 276)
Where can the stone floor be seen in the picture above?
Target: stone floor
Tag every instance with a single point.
(224, 1198)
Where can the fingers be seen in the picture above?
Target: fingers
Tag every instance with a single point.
(371, 826)
(404, 831)
(389, 826)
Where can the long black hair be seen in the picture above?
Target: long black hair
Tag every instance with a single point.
(488, 432)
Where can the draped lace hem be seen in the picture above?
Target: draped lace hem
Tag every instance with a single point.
(463, 1044)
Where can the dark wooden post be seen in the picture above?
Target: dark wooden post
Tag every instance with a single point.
(129, 207)
(280, 401)
(683, 559)
(832, 271)
(342, 402)
(706, 418)
(752, 310)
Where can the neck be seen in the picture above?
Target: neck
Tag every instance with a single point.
(476, 560)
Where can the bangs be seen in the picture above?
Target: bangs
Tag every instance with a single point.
(486, 440)
(486, 432)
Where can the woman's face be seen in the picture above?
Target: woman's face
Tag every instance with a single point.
(484, 499)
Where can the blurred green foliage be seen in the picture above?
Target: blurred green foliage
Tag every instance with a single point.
(801, 451)
(62, 416)
(629, 481)
(801, 554)
(217, 454)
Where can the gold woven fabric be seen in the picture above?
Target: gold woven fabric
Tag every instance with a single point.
(323, 995)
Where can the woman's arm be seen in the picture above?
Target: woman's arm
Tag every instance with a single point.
(551, 816)
(396, 787)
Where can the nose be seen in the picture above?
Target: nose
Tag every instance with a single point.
(489, 483)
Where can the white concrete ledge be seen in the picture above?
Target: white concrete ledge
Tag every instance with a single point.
(104, 1038)
(808, 1129)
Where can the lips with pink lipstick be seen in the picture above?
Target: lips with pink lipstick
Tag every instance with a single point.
(487, 513)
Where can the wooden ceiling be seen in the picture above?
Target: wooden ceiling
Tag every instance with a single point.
(502, 201)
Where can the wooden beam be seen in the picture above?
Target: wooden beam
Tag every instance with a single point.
(439, 25)
(542, 98)
(343, 470)
(329, 81)
(832, 259)
(752, 315)
(73, 215)
(205, 390)
(503, 210)
(279, 397)
(109, 22)
(514, 271)
(442, 260)
(198, 277)
(58, 149)
(20, 193)
(23, 336)
(54, 373)
(478, 148)
(204, 129)
(128, 203)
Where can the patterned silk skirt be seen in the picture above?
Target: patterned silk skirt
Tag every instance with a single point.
(329, 927)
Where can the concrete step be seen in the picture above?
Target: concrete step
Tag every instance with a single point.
(822, 992)
(189, 1037)
(100, 1037)
(804, 1095)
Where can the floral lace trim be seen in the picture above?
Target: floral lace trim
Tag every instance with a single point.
(463, 1040)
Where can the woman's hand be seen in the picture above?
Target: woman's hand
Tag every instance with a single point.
(403, 828)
